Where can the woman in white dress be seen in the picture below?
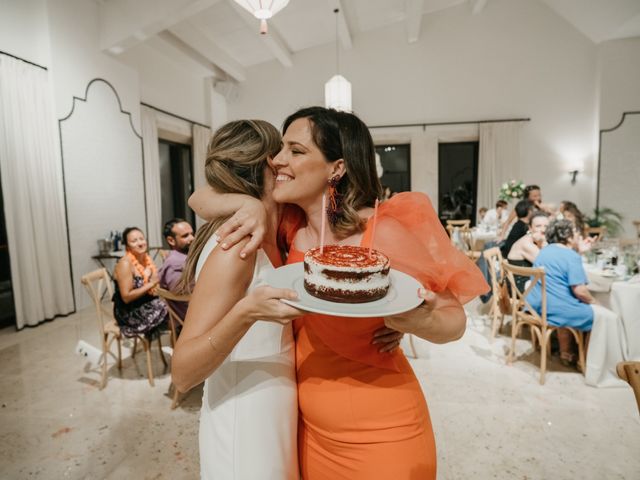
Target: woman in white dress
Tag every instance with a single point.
(237, 334)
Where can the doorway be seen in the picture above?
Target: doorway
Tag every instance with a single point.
(176, 180)
(457, 181)
(7, 305)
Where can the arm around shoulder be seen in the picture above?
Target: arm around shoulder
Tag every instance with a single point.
(208, 204)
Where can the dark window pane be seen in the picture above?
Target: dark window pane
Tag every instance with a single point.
(7, 306)
(396, 165)
(176, 180)
(457, 181)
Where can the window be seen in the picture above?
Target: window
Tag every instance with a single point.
(396, 164)
(457, 181)
(7, 307)
(176, 180)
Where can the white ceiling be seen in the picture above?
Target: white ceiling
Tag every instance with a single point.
(219, 38)
(601, 20)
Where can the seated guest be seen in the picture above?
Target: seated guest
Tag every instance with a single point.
(497, 216)
(136, 308)
(534, 195)
(570, 211)
(569, 303)
(179, 235)
(523, 210)
(482, 211)
(524, 252)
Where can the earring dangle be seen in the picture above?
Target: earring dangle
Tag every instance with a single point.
(334, 209)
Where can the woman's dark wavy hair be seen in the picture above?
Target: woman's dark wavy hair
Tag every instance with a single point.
(577, 214)
(528, 189)
(560, 231)
(126, 232)
(343, 135)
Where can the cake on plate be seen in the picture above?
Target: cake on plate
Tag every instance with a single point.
(346, 274)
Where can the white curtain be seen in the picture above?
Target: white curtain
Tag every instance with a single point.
(499, 159)
(31, 173)
(152, 176)
(201, 137)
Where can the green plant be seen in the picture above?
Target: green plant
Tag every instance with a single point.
(607, 218)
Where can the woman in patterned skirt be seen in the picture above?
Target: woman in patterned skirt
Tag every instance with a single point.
(136, 307)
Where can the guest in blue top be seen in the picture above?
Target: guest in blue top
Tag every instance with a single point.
(568, 299)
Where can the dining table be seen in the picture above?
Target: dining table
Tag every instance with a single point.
(480, 235)
(619, 293)
(107, 260)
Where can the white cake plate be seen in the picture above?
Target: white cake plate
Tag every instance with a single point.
(402, 295)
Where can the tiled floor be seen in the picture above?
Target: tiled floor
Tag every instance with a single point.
(492, 421)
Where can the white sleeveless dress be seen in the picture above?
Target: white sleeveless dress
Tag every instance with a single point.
(248, 421)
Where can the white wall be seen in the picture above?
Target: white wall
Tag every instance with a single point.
(24, 30)
(619, 72)
(167, 86)
(515, 59)
(76, 58)
(94, 134)
(103, 177)
(619, 77)
(63, 35)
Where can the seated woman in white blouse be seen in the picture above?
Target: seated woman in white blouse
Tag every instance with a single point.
(495, 217)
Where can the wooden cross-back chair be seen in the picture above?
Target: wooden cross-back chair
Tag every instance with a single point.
(453, 224)
(462, 237)
(630, 373)
(493, 257)
(95, 282)
(597, 233)
(158, 254)
(174, 321)
(524, 314)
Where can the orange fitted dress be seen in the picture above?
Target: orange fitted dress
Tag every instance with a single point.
(362, 413)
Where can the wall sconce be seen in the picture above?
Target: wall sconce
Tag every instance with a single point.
(574, 174)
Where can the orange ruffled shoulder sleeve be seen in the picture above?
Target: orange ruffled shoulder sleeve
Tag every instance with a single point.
(409, 232)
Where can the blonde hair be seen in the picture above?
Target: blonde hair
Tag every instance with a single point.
(235, 164)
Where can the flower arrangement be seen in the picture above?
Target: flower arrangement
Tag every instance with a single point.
(511, 190)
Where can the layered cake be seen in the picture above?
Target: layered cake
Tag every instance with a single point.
(346, 274)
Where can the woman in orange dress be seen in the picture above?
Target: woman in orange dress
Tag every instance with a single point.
(362, 413)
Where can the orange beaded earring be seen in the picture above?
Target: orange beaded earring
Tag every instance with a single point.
(334, 209)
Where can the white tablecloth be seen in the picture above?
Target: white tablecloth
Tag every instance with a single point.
(598, 282)
(480, 236)
(614, 336)
(622, 297)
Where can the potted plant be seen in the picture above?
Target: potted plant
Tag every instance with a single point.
(607, 218)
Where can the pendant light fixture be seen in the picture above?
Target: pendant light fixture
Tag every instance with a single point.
(262, 10)
(337, 91)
